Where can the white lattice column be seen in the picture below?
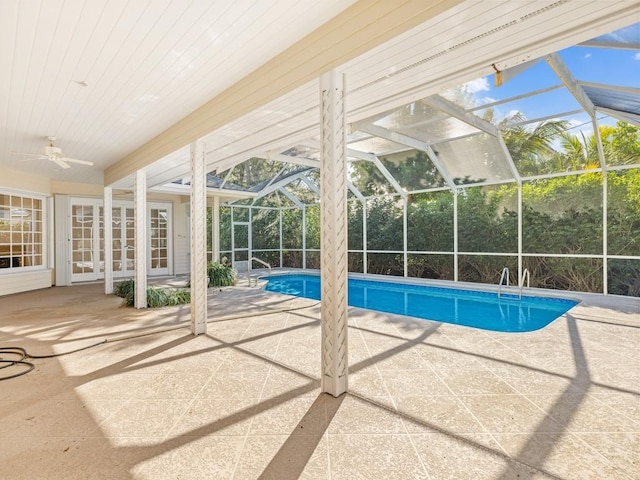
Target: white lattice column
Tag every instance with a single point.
(140, 208)
(333, 205)
(198, 240)
(107, 235)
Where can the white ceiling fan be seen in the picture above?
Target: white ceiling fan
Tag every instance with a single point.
(54, 154)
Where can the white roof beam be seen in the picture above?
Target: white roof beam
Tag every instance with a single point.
(542, 119)
(441, 103)
(606, 44)
(277, 185)
(613, 88)
(296, 160)
(512, 164)
(355, 191)
(413, 143)
(219, 163)
(390, 178)
(314, 188)
(624, 116)
(291, 197)
(369, 157)
(270, 182)
(569, 81)
(517, 97)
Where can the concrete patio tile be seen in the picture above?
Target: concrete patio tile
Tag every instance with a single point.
(414, 383)
(474, 381)
(63, 415)
(467, 458)
(276, 457)
(172, 405)
(621, 449)
(509, 414)
(216, 416)
(144, 418)
(284, 416)
(374, 457)
(236, 384)
(560, 454)
(583, 413)
(442, 413)
(209, 457)
(281, 381)
(359, 416)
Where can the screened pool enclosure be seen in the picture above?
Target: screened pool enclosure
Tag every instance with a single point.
(539, 173)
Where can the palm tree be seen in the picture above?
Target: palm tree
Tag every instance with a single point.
(581, 152)
(531, 148)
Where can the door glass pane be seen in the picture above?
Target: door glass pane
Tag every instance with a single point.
(82, 218)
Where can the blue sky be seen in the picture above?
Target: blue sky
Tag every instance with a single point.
(598, 65)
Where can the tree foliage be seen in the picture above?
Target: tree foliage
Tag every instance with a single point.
(561, 215)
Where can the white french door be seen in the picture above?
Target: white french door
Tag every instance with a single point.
(84, 222)
(87, 239)
(159, 235)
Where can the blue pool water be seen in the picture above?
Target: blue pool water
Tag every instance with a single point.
(462, 307)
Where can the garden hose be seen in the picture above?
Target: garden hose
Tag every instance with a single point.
(18, 356)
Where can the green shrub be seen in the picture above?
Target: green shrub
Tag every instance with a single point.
(156, 297)
(179, 297)
(124, 289)
(220, 275)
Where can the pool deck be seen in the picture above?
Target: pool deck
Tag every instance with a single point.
(427, 400)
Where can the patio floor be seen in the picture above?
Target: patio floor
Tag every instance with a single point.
(427, 400)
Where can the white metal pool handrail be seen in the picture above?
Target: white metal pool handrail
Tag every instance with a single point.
(525, 274)
(262, 262)
(503, 275)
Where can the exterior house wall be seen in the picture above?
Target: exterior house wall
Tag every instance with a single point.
(24, 183)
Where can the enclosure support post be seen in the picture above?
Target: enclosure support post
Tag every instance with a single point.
(405, 257)
(304, 236)
(280, 231)
(198, 240)
(605, 247)
(140, 209)
(215, 226)
(365, 260)
(455, 235)
(520, 266)
(107, 222)
(333, 205)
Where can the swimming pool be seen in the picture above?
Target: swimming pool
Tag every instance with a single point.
(461, 307)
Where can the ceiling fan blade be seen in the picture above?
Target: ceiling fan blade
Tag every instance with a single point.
(29, 154)
(60, 162)
(75, 160)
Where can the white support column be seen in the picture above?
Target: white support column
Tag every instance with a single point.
(107, 222)
(198, 240)
(140, 208)
(333, 189)
(215, 226)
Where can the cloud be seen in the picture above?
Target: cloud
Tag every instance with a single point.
(588, 55)
(479, 85)
(485, 100)
(636, 56)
